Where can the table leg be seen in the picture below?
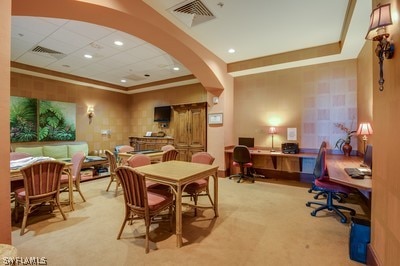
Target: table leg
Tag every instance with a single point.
(178, 215)
(70, 189)
(215, 176)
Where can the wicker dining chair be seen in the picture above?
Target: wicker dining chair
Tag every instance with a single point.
(77, 161)
(41, 185)
(141, 203)
(112, 161)
(199, 187)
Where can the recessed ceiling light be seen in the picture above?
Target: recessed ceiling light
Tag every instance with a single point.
(123, 80)
(176, 68)
(231, 51)
(119, 43)
(88, 56)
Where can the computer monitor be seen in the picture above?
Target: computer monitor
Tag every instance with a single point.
(249, 142)
(368, 156)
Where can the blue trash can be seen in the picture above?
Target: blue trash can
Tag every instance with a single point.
(360, 236)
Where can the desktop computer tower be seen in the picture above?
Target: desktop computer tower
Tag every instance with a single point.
(360, 235)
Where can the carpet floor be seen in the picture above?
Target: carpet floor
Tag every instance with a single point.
(261, 223)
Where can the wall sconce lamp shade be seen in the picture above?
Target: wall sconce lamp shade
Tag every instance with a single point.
(90, 112)
(380, 18)
(272, 130)
(364, 129)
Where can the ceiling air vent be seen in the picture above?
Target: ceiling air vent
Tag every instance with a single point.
(46, 51)
(192, 12)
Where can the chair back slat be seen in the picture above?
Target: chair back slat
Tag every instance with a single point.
(134, 187)
(42, 178)
(169, 155)
(111, 160)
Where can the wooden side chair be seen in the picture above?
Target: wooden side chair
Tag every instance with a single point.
(141, 160)
(41, 185)
(199, 187)
(141, 203)
(124, 149)
(112, 161)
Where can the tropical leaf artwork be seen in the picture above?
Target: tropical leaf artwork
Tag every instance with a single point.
(56, 121)
(23, 119)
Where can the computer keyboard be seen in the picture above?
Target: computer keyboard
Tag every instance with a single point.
(357, 173)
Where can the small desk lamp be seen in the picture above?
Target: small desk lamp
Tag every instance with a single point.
(272, 130)
(364, 129)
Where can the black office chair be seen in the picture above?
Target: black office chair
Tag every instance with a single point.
(323, 184)
(242, 158)
(337, 196)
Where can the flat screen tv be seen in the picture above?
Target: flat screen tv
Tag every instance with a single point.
(162, 114)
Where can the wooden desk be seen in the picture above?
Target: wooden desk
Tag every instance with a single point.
(16, 175)
(336, 165)
(178, 174)
(265, 154)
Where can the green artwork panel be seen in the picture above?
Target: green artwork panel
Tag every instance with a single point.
(23, 119)
(57, 121)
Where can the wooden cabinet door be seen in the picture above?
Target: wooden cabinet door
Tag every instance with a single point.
(189, 129)
(196, 127)
(181, 127)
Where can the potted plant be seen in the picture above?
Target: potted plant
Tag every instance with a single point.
(344, 143)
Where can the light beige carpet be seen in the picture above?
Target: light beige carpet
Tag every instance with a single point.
(265, 223)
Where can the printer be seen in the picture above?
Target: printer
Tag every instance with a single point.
(290, 147)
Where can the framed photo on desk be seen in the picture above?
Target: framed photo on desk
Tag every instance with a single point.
(215, 119)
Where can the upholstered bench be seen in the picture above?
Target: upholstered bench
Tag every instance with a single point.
(64, 151)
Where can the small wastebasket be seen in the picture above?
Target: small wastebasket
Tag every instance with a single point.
(360, 236)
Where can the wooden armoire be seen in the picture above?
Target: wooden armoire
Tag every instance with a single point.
(190, 129)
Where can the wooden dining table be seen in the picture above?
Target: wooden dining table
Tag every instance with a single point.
(15, 175)
(178, 174)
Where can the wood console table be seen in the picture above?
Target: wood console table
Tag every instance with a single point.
(150, 143)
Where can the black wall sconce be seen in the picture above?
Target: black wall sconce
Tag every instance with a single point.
(380, 18)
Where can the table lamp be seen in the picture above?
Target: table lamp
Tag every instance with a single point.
(272, 130)
(364, 129)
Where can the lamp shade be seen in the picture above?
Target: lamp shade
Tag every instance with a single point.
(272, 130)
(364, 129)
(380, 17)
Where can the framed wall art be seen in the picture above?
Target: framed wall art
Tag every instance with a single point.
(215, 119)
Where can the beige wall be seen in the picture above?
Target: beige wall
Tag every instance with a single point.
(364, 89)
(5, 52)
(310, 99)
(385, 240)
